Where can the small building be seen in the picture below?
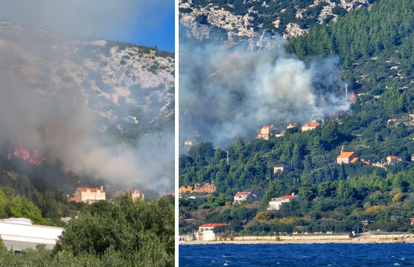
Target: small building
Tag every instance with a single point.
(310, 127)
(265, 132)
(412, 221)
(243, 196)
(189, 142)
(206, 231)
(366, 162)
(291, 125)
(393, 159)
(281, 168)
(88, 195)
(136, 194)
(281, 134)
(20, 233)
(346, 158)
(276, 203)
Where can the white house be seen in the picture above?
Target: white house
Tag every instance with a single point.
(89, 195)
(20, 233)
(265, 132)
(205, 231)
(276, 203)
(243, 196)
(393, 159)
(136, 194)
(282, 168)
(291, 126)
(310, 126)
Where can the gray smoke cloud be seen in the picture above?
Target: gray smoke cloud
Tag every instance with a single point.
(39, 111)
(230, 92)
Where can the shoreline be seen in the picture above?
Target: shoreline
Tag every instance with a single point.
(355, 240)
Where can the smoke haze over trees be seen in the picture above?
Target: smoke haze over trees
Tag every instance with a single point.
(231, 92)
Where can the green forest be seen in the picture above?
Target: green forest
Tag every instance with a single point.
(117, 233)
(375, 52)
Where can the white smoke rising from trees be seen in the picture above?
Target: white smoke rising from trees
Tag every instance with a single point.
(228, 92)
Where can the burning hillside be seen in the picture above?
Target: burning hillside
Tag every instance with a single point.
(74, 99)
(227, 93)
(34, 157)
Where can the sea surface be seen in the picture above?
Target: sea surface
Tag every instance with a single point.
(397, 254)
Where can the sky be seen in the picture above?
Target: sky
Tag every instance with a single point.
(142, 22)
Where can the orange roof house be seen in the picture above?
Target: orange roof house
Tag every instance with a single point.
(310, 126)
(393, 159)
(346, 158)
(265, 132)
(243, 196)
(88, 195)
(291, 125)
(276, 203)
(205, 232)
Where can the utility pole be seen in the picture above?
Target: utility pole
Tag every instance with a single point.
(346, 91)
(227, 157)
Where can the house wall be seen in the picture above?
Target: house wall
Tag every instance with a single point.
(343, 160)
(278, 202)
(205, 234)
(137, 196)
(90, 197)
(275, 205)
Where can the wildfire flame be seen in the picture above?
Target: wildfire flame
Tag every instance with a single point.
(352, 96)
(34, 158)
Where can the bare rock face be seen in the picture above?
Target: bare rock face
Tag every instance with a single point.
(200, 20)
(124, 84)
(293, 30)
(349, 5)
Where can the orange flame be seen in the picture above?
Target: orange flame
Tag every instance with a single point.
(35, 158)
(352, 96)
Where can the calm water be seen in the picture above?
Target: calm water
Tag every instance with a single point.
(298, 255)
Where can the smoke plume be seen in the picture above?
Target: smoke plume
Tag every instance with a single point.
(230, 92)
(59, 120)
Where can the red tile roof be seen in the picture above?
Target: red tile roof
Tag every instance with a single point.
(345, 155)
(312, 125)
(76, 199)
(354, 160)
(242, 194)
(289, 196)
(393, 157)
(212, 224)
(267, 127)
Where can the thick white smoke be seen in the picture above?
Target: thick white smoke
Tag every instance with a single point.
(61, 127)
(227, 92)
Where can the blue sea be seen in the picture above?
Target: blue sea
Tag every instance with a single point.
(397, 254)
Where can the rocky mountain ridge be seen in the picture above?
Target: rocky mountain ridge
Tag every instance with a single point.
(243, 19)
(129, 88)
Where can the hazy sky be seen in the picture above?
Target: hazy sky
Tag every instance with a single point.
(142, 22)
